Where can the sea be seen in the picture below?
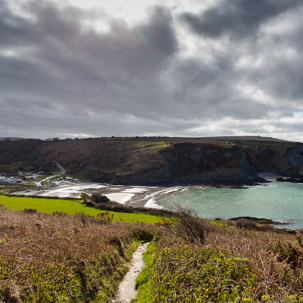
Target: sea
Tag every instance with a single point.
(278, 201)
(275, 200)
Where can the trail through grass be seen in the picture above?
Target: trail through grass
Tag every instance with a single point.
(59, 258)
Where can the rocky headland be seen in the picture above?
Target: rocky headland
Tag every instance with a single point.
(232, 161)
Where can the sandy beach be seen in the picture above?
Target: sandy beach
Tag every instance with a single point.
(131, 195)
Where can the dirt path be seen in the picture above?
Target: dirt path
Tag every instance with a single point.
(63, 171)
(127, 290)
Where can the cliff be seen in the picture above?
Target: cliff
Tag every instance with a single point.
(155, 160)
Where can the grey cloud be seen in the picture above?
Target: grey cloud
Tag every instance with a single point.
(281, 74)
(65, 78)
(236, 17)
(77, 71)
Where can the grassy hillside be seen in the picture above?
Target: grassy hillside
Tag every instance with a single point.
(244, 263)
(60, 258)
(69, 207)
(154, 160)
(79, 258)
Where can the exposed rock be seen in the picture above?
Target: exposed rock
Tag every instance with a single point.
(290, 180)
(227, 155)
(260, 220)
(209, 152)
(195, 157)
(295, 156)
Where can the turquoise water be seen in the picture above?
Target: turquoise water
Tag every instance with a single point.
(277, 201)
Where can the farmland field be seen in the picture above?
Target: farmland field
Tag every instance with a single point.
(68, 206)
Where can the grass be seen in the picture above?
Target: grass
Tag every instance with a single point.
(155, 146)
(202, 274)
(60, 258)
(143, 281)
(65, 258)
(9, 188)
(69, 207)
(218, 222)
(12, 167)
(231, 265)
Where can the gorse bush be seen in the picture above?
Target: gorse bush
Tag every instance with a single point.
(246, 224)
(232, 265)
(105, 218)
(186, 225)
(289, 253)
(61, 258)
(200, 274)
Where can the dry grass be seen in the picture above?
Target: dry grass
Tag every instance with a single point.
(62, 258)
(274, 260)
(277, 258)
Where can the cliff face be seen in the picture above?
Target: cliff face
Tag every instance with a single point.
(156, 161)
(191, 163)
(295, 160)
(203, 163)
(282, 159)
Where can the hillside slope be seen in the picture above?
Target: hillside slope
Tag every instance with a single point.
(157, 160)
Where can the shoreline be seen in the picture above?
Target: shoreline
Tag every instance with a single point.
(137, 196)
(134, 196)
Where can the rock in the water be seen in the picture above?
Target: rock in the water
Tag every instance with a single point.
(259, 220)
(290, 180)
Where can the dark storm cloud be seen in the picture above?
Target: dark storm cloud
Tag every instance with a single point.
(281, 73)
(59, 77)
(73, 66)
(236, 17)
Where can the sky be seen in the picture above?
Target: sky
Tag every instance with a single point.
(189, 68)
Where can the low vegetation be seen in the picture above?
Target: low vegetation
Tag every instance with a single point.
(101, 202)
(227, 264)
(153, 145)
(62, 258)
(10, 188)
(69, 206)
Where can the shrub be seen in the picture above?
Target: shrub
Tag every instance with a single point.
(98, 198)
(59, 261)
(143, 235)
(105, 218)
(59, 214)
(289, 252)
(246, 224)
(188, 226)
(201, 274)
(30, 210)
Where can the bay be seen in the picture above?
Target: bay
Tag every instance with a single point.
(275, 200)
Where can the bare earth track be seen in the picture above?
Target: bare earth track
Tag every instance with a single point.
(127, 290)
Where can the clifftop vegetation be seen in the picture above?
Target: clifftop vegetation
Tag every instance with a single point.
(156, 160)
(77, 258)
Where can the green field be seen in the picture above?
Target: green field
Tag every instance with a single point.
(69, 207)
(155, 146)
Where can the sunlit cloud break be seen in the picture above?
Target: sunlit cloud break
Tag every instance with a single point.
(126, 68)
